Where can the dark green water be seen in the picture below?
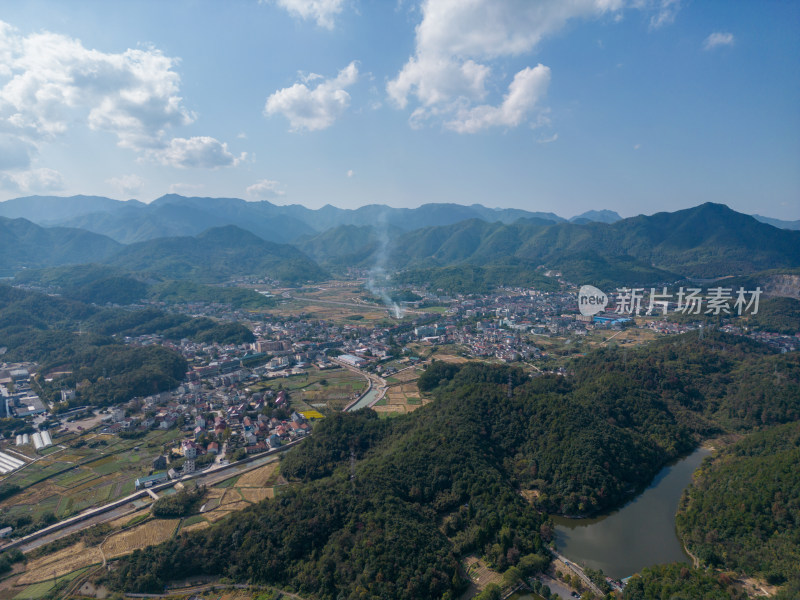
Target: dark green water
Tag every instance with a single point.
(640, 534)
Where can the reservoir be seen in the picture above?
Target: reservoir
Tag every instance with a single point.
(640, 534)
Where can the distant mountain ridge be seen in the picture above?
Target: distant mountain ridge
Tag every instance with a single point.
(133, 221)
(781, 224)
(25, 245)
(706, 241)
(597, 216)
(215, 255)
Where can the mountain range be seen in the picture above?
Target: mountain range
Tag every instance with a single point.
(173, 215)
(707, 241)
(216, 255)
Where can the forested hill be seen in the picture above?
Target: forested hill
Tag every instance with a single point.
(24, 245)
(446, 480)
(101, 284)
(709, 240)
(742, 513)
(706, 241)
(175, 215)
(216, 255)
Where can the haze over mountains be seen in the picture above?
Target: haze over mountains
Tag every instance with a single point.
(213, 239)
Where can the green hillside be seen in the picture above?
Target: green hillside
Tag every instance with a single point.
(742, 513)
(101, 284)
(218, 255)
(710, 240)
(24, 245)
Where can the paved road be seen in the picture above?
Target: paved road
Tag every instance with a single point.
(556, 587)
(579, 572)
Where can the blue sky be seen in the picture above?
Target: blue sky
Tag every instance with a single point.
(556, 105)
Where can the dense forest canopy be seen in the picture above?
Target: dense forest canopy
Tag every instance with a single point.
(742, 512)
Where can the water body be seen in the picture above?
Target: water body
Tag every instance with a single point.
(640, 534)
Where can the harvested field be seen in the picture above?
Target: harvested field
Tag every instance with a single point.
(60, 563)
(257, 495)
(124, 520)
(258, 477)
(234, 506)
(147, 534)
(216, 514)
(393, 408)
(231, 496)
(43, 589)
(195, 526)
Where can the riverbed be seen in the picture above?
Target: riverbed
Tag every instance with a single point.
(641, 534)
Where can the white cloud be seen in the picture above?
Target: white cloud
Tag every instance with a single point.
(203, 152)
(322, 11)
(717, 39)
(666, 11)
(127, 184)
(35, 180)
(49, 82)
(456, 39)
(314, 109)
(265, 188)
(185, 188)
(548, 140)
(350, 173)
(528, 86)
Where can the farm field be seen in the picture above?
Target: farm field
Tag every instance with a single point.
(93, 470)
(335, 302)
(58, 564)
(238, 493)
(331, 389)
(44, 588)
(147, 534)
(402, 395)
